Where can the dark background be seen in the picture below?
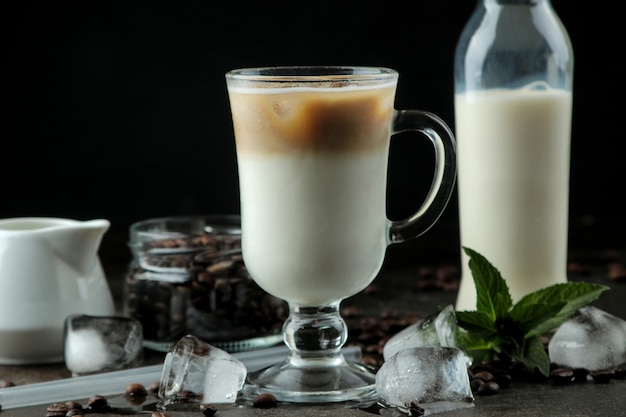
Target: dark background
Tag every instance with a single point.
(119, 109)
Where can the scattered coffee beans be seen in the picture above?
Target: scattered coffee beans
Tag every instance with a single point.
(488, 378)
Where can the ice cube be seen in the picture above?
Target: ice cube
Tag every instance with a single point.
(433, 377)
(439, 329)
(94, 344)
(194, 371)
(592, 339)
(282, 107)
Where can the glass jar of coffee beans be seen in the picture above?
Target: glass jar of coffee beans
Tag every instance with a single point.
(187, 276)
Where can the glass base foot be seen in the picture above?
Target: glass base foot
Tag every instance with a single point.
(314, 381)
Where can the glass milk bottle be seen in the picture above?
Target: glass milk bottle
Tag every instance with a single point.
(513, 81)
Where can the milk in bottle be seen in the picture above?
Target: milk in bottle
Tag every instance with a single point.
(513, 110)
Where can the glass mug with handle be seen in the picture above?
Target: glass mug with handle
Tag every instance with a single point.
(312, 149)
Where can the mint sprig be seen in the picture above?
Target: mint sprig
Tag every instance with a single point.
(498, 326)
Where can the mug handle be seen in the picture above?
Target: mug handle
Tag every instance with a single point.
(435, 129)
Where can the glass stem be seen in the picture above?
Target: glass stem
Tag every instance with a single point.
(315, 333)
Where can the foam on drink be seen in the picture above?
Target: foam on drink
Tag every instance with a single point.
(313, 172)
(311, 120)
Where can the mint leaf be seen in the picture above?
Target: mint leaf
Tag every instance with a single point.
(492, 293)
(500, 327)
(477, 323)
(571, 296)
(530, 316)
(535, 356)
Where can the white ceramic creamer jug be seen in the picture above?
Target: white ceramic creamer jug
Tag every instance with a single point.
(49, 269)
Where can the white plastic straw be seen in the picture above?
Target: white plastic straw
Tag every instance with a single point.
(111, 383)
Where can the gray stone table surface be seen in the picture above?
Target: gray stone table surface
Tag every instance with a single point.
(597, 254)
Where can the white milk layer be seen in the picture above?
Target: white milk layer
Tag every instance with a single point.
(513, 183)
(314, 224)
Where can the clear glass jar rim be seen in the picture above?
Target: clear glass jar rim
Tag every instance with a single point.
(312, 73)
(168, 227)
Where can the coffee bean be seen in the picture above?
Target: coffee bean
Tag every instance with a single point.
(350, 311)
(371, 289)
(602, 377)
(154, 387)
(617, 272)
(97, 402)
(205, 278)
(135, 390)
(207, 410)
(488, 388)
(220, 269)
(415, 410)
(580, 374)
(74, 412)
(135, 401)
(476, 383)
(57, 410)
(59, 407)
(369, 361)
(5, 383)
(160, 414)
(484, 375)
(264, 401)
(562, 375)
(75, 405)
(482, 367)
(368, 337)
(503, 381)
(443, 278)
(186, 396)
